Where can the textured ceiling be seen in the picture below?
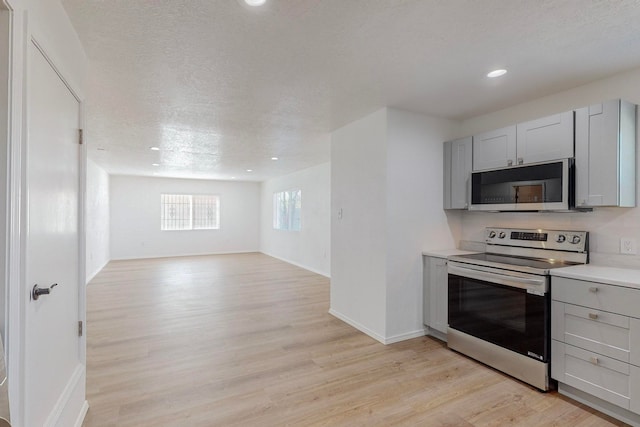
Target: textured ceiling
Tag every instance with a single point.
(221, 87)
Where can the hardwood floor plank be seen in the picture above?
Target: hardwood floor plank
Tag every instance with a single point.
(246, 340)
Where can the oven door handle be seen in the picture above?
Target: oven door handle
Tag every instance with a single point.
(537, 284)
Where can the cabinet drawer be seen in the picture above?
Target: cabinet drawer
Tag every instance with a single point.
(601, 376)
(614, 299)
(605, 333)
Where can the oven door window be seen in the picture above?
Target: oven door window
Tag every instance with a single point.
(503, 315)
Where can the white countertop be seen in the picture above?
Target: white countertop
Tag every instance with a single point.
(446, 253)
(627, 277)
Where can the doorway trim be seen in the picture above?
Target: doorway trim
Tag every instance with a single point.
(23, 35)
(14, 315)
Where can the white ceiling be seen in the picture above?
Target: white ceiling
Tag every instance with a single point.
(221, 87)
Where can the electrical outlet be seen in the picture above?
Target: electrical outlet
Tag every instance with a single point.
(628, 246)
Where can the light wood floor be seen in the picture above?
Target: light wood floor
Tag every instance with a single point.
(246, 340)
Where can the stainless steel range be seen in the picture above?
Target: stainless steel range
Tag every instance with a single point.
(500, 301)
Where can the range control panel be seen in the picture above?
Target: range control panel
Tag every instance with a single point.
(561, 240)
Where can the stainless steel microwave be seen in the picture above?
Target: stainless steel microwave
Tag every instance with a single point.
(547, 186)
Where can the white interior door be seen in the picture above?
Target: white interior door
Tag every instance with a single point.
(52, 345)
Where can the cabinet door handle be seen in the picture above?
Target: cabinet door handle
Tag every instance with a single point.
(594, 360)
(509, 162)
(593, 289)
(593, 316)
(520, 160)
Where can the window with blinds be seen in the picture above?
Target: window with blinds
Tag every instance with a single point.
(189, 212)
(287, 207)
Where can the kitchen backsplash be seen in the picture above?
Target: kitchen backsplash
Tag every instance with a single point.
(606, 226)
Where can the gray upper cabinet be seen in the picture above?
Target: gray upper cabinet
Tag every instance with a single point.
(494, 149)
(606, 155)
(540, 140)
(457, 172)
(548, 138)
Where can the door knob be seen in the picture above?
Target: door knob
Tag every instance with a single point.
(37, 291)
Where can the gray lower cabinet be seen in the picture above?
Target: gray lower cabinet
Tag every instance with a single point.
(606, 155)
(595, 347)
(600, 376)
(435, 293)
(457, 173)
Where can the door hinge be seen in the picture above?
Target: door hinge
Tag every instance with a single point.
(80, 328)
(80, 137)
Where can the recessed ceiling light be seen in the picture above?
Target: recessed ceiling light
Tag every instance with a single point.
(154, 148)
(155, 164)
(233, 177)
(496, 73)
(255, 2)
(274, 158)
(249, 170)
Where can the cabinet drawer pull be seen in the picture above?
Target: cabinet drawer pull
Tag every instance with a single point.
(593, 289)
(594, 360)
(593, 316)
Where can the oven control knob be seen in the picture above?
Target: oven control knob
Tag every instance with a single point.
(502, 235)
(575, 240)
(492, 234)
(561, 238)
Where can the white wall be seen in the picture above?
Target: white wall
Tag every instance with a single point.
(386, 176)
(97, 219)
(135, 218)
(606, 225)
(358, 239)
(310, 247)
(415, 218)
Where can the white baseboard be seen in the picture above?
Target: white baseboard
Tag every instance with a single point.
(183, 255)
(406, 336)
(95, 273)
(357, 325)
(376, 336)
(62, 408)
(306, 267)
(82, 414)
